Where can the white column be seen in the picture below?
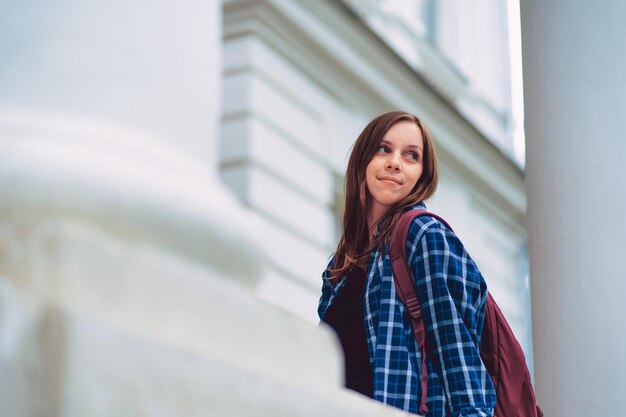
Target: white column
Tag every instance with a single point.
(109, 112)
(575, 104)
(126, 271)
(143, 65)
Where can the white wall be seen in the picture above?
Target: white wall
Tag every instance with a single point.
(273, 152)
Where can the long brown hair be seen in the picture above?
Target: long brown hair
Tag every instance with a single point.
(355, 246)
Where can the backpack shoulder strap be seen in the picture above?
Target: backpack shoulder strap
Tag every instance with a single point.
(406, 288)
(403, 278)
(397, 247)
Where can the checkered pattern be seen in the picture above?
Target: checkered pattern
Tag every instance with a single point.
(453, 294)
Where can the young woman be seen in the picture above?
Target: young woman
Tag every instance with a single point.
(392, 169)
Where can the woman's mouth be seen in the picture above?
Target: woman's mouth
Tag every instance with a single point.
(391, 180)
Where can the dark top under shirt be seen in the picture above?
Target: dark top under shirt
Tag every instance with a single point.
(345, 316)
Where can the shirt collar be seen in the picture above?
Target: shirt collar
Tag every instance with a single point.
(417, 206)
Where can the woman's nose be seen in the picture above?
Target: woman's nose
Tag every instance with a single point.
(393, 162)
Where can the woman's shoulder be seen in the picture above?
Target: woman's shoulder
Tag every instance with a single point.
(326, 274)
(427, 222)
(429, 231)
(431, 237)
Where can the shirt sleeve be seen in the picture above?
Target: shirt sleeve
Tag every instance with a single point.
(327, 289)
(453, 294)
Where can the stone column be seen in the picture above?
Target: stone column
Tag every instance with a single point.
(127, 273)
(575, 102)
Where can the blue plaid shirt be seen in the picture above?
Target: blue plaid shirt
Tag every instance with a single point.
(453, 294)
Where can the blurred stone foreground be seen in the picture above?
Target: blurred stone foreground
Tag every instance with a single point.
(126, 272)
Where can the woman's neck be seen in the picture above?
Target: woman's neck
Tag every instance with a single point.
(374, 214)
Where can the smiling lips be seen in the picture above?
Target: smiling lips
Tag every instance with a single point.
(392, 179)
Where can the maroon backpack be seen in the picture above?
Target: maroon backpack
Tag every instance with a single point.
(500, 351)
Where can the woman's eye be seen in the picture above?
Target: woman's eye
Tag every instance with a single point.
(414, 155)
(383, 149)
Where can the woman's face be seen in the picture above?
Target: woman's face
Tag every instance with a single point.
(395, 168)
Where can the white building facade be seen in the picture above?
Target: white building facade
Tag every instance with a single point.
(301, 79)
